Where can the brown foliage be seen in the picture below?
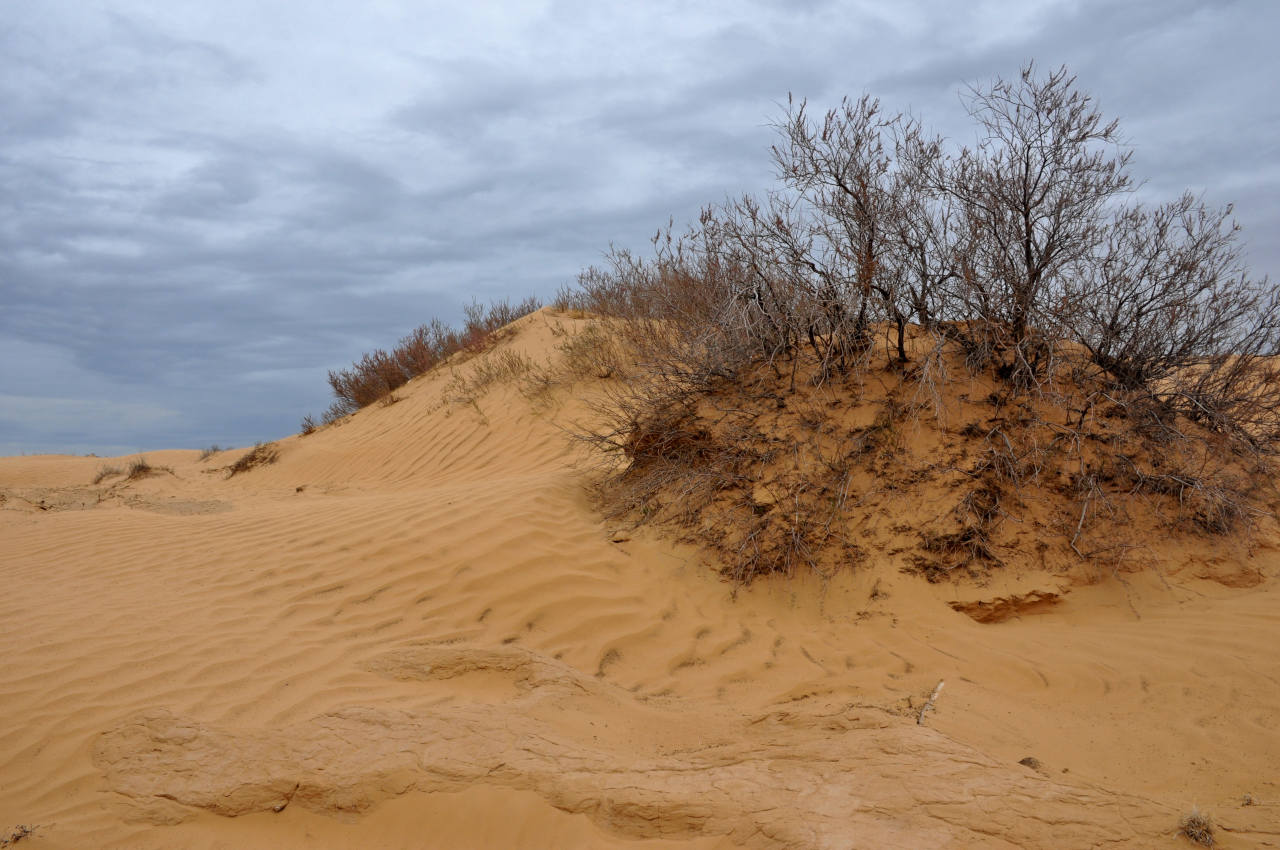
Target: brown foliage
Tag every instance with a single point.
(380, 373)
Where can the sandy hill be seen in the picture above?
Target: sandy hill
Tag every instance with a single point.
(412, 629)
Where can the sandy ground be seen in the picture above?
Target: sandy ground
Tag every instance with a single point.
(412, 630)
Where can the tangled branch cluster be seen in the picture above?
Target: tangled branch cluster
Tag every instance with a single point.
(1025, 258)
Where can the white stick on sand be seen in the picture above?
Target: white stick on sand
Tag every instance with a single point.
(929, 703)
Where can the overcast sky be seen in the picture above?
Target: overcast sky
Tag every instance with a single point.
(205, 206)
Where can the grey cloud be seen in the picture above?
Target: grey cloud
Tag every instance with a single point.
(205, 217)
(152, 58)
(68, 416)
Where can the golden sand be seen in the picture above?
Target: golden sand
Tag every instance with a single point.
(412, 630)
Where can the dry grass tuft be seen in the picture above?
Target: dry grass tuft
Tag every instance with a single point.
(107, 472)
(212, 450)
(260, 455)
(489, 370)
(140, 469)
(594, 351)
(1197, 828)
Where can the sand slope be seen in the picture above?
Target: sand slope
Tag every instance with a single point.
(413, 631)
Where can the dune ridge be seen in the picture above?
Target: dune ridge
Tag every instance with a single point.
(414, 619)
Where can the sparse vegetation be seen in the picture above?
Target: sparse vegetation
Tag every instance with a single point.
(380, 373)
(997, 334)
(212, 450)
(1197, 828)
(493, 368)
(137, 470)
(261, 454)
(594, 351)
(140, 469)
(1111, 357)
(18, 833)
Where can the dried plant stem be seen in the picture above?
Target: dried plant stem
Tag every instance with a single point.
(929, 703)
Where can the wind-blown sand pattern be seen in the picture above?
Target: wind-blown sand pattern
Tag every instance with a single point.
(412, 630)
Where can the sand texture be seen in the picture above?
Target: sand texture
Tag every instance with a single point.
(413, 629)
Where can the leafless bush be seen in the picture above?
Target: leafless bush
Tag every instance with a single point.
(840, 173)
(676, 310)
(107, 472)
(370, 378)
(380, 373)
(209, 452)
(1016, 257)
(1168, 312)
(1033, 196)
(498, 315)
(426, 346)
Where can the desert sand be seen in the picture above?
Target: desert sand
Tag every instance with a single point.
(414, 630)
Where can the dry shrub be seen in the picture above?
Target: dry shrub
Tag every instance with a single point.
(766, 496)
(1128, 361)
(261, 454)
(308, 426)
(369, 379)
(594, 351)
(487, 371)
(775, 470)
(1197, 828)
(212, 450)
(539, 383)
(380, 373)
(140, 469)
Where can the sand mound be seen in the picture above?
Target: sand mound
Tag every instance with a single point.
(413, 620)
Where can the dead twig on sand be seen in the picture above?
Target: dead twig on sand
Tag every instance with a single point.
(928, 706)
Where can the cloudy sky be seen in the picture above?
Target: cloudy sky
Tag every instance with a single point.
(204, 206)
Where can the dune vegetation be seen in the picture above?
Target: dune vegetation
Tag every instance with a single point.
(1003, 337)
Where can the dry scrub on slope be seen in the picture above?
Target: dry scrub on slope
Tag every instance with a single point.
(991, 337)
(261, 454)
(378, 374)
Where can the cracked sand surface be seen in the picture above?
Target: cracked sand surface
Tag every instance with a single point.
(763, 784)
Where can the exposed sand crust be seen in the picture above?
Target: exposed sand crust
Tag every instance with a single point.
(412, 630)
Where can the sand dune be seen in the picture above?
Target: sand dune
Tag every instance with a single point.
(412, 630)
